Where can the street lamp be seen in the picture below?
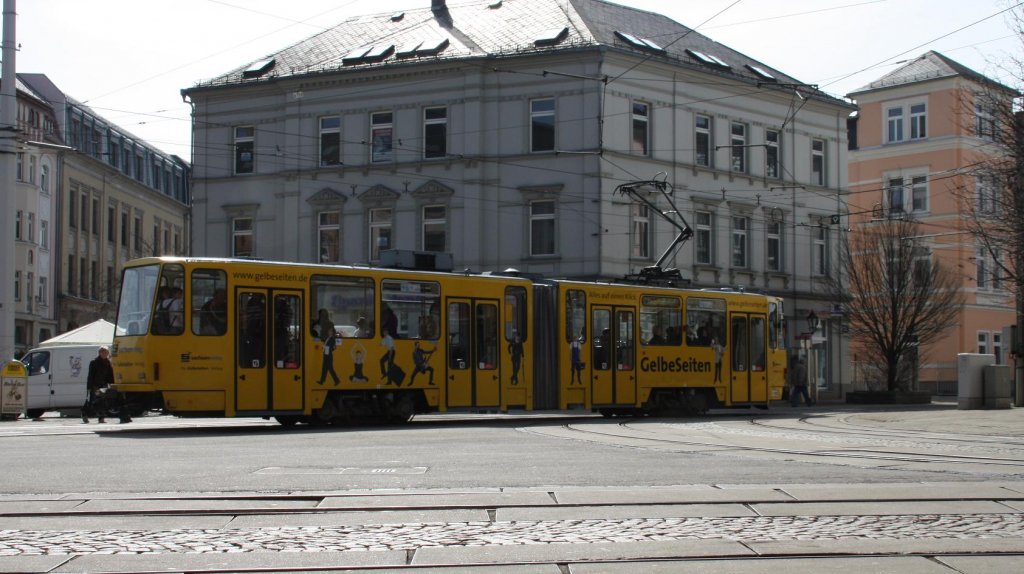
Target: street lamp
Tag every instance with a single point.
(812, 321)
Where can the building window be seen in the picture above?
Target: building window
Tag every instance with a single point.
(922, 265)
(435, 132)
(44, 179)
(997, 347)
(918, 121)
(19, 170)
(31, 169)
(703, 235)
(156, 240)
(894, 122)
(329, 236)
(984, 121)
(83, 278)
(71, 274)
(986, 190)
(895, 191)
(381, 222)
(96, 217)
(820, 252)
(167, 241)
(242, 237)
(740, 241)
(44, 233)
(17, 224)
(641, 140)
(641, 216)
(983, 342)
(919, 193)
(542, 227)
(738, 147)
(773, 247)
(245, 148)
(818, 162)
(110, 284)
(31, 235)
(702, 140)
(111, 224)
(72, 215)
(140, 168)
(330, 141)
(93, 280)
(17, 285)
(772, 153)
(381, 133)
(435, 228)
(43, 291)
(542, 125)
(84, 213)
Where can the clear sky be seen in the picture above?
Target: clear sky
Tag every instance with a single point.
(129, 59)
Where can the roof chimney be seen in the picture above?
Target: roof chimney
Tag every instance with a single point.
(437, 5)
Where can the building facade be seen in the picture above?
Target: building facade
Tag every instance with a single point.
(920, 132)
(500, 132)
(116, 198)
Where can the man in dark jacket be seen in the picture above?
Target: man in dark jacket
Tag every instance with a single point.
(101, 376)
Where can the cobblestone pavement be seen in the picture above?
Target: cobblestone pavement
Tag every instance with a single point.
(412, 536)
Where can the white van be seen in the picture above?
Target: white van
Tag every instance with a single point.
(57, 377)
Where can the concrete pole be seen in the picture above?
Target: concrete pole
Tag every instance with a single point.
(8, 183)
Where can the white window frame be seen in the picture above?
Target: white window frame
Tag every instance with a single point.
(918, 191)
(330, 128)
(986, 191)
(244, 140)
(18, 217)
(738, 147)
(707, 148)
(537, 114)
(241, 228)
(918, 120)
(432, 223)
(773, 242)
(819, 151)
(641, 124)
(43, 292)
(548, 221)
(44, 233)
(773, 146)
(740, 244)
(382, 141)
(984, 120)
(326, 228)
(431, 124)
(17, 285)
(894, 124)
(997, 347)
(820, 251)
(982, 342)
(640, 214)
(381, 227)
(704, 237)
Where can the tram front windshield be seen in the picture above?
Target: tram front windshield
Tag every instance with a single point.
(138, 288)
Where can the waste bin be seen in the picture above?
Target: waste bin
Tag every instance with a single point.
(970, 369)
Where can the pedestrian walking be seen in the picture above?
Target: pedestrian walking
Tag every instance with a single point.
(100, 377)
(798, 384)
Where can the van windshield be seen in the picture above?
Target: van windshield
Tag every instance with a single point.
(137, 290)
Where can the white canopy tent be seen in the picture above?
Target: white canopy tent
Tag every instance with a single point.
(98, 332)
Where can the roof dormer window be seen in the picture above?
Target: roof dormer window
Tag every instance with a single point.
(708, 59)
(637, 42)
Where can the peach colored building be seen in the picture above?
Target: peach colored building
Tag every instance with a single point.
(916, 130)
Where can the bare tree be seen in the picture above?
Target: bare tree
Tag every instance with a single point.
(898, 297)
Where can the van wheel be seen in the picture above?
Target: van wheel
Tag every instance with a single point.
(35, 413)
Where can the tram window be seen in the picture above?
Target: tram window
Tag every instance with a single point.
(252, 331)
(169, 312)
(209, 302)
(624, 340)
(415, 306)
(515, 314)
(349, 303)
(487, 336)
(138, 288)
(458, 336)
(603, 341)
(757, 348)
(575, 316)
(287, 328)
(661, 320)
(739, 344)
(705, 321)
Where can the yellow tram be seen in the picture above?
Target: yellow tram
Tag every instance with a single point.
(327, 343)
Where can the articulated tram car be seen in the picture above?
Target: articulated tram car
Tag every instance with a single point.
(323, 343)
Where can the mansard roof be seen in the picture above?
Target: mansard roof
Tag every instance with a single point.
(478, 29)
(928, 67)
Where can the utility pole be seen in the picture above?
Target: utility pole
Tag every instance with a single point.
(8, 182)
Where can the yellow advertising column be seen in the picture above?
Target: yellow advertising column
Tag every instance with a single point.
(13, 390)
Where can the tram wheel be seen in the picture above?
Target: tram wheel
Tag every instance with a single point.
(287, 420)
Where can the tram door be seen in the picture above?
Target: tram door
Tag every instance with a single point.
(473, 353)
(268, 346)
(613, 356)
(747, 357)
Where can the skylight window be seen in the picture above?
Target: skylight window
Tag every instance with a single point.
(708, 59)
(762, 73)
(368, 54)
(553, 36)
(642, 43)
(397, 16)
(356, 55)
(494, 5)
(259, 68)
(420, 48)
